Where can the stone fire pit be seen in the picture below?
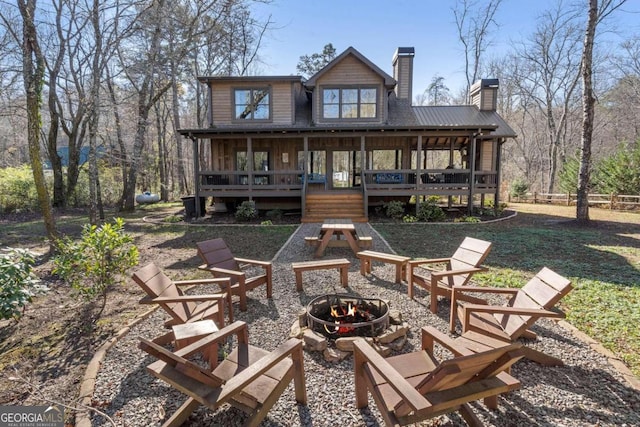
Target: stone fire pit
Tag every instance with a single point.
(339, 316)
(331, 323)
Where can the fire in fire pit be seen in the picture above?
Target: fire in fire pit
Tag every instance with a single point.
(346, 316)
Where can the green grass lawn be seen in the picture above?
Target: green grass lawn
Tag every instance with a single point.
(602, 260)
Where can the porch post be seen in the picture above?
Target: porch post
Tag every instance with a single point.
(250, 168)
(418, 170)
(496, 196)
(305, 176)
(450, 198)
(363, 184)
(472, 168)
(196, 174)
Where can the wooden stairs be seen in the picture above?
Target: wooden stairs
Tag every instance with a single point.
(335, 204)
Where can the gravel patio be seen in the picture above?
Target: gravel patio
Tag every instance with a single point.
(587, 391)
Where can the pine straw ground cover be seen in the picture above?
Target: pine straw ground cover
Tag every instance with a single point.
(43, 357)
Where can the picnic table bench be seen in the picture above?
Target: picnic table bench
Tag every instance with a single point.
(342, 264)
(366, 257)
(346, 233)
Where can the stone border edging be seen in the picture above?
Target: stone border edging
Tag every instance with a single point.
(614, 361)
(87, 387)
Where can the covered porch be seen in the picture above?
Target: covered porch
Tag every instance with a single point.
(280, 169)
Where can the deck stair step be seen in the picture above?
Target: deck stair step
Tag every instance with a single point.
(320, 206)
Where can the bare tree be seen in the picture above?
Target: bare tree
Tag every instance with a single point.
(548, 80)
(622, 101)
(192, 21)
(142, 68)
(597, 12)
(474, 21)
(104, 31)
(54, 65)
(33, 73)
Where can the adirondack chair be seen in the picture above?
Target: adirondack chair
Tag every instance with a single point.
(181, 307)
(412, 387)
(459, 268)
(489, 326)
(249, 378)
(219, 260)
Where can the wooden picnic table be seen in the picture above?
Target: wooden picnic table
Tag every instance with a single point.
(339, 230)
(340, 233)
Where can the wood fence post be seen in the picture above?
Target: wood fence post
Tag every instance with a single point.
(568, 199)
(535, 197)
(611, 201)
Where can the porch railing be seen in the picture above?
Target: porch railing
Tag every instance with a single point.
(373, 180)
(243, 180)
(429, 178)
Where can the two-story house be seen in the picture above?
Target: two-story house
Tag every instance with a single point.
(344, 140)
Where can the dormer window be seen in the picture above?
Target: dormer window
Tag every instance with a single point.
(350, 103)
(252, 104)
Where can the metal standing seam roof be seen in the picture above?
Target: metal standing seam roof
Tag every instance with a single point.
(462, 115)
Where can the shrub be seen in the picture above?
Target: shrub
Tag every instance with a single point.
(394, 209)
(519, 188)
(97, 261)
(18, 285)
(275, 214)
(266, 222)
(110, 187)
(17, 190)
(246, 211)
(465, 218)
(433, 199)
(429, 212)
(409, 218)
(490, 211)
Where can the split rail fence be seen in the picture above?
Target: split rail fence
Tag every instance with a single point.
(611, 201)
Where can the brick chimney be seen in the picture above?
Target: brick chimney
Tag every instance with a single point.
(484, 94)
(403, 72)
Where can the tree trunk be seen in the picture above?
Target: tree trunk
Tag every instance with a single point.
(122, 159)
(138, 146)
(95, 207)
(163, 154)
(175, 106)
(59, 196)
(588, 102)
(33, 75)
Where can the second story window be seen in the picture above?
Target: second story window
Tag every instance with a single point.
(252, 104)
(349, 103)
